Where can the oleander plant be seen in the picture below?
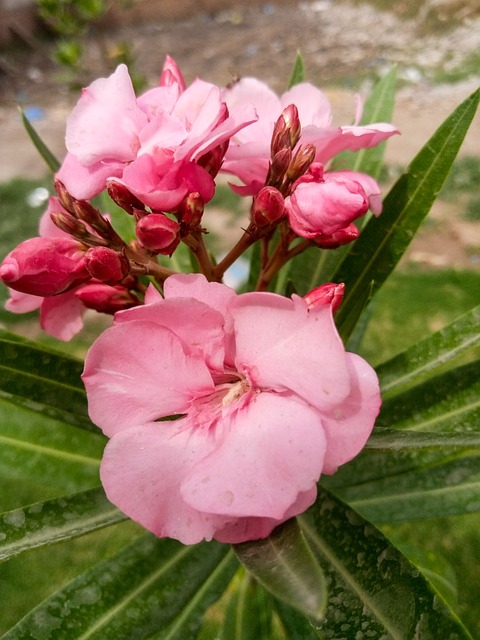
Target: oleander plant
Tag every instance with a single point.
(221, 461)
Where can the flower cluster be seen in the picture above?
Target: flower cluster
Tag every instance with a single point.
(223, 410)
(157, 156)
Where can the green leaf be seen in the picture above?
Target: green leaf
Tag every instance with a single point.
(46, 452)
(249, 611)
(378, 108)
(296, 626)
(152, 589)
(298, 72)
(188, 622)
(396, 440)
(46, 523)
(285, 566)
(52, 163)
(435, 569)
(450, 402)
(375, 254)
(449, 484)
(373, 589)
(423, 358)
(43, 381)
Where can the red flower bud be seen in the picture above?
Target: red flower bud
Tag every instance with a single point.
(287, 130)
(105, 298)
(212, 160)
(191, 211)
(326, 294)
(158, 233)
(267, 207)
(123, 197)
(106, 264)
(44, 266)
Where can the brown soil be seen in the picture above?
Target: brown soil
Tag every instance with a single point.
(344, 46)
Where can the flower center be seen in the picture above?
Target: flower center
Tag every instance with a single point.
(229, 390)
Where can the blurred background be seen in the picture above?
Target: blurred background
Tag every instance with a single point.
(49, 49)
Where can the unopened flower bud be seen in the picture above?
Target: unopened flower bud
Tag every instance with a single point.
(212, 160)
(119, 193)
(106, 264)
(338, 238)
(326, 294)
(287, 130)
(66, 200)
(105, 298)
(44, 266)
(158, 233)
(268, 207)
(278, 167)
(301, 162)
(191, 210)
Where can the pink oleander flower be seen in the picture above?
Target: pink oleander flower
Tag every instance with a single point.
(161, 146)
(323, 204)
(248, 155)
(265, 399)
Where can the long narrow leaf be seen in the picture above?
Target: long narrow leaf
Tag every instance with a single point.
(446, 403)
(373, 589)
(46, 523)
(188, 621)
(448, 486)
(136, 594)
(284, 564)
(249, 612)
(397, 440)
(420, 360)
(47, 453)
(51, 161)
(384, 240)
(298, 72)
(44, 381)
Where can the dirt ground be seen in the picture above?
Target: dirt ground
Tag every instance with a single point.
(344, 46)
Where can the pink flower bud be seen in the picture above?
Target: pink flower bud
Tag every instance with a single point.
(106, 264)
(326, 294)
(268, 207)
(287, 130)
(105, 298)
(321, 208)
(158, 233)
(337, 239)
(44, 266)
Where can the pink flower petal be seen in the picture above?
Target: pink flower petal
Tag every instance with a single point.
(312, 104)
(108, 104)
(62, 316)
(142, 469)
(348, 427)
(137, 372)
(256, 528)
(283, 346)
(86, 182)
(199, 327)
(267, 453)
